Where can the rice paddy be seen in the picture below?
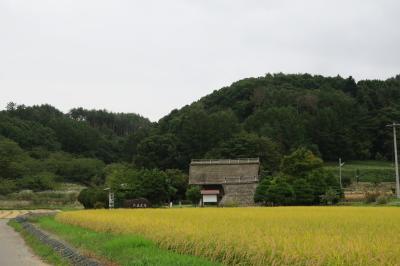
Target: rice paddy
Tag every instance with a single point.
(261, 236)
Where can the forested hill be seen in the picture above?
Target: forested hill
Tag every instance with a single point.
(272, 115)
(265, 117)
(84, 133)
(41, 147)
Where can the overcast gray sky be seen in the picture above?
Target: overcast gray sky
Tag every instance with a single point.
(150, 56)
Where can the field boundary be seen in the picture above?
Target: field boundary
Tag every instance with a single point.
(65, 251)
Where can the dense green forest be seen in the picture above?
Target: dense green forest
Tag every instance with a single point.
(267, 117)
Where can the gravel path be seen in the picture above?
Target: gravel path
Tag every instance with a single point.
(13, 250)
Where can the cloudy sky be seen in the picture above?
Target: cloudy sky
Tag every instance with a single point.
(150, 56)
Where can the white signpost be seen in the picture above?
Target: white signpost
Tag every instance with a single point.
(111, 198)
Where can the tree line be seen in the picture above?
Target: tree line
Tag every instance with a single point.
(268, 117)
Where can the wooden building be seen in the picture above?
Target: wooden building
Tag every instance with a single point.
(226, 181)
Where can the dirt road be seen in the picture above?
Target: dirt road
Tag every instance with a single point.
(13, 250)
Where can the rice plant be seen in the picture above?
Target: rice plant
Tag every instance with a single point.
(261, 236)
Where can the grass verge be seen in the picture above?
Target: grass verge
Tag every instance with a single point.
(45, 252)
(121, 249)
(364, 171)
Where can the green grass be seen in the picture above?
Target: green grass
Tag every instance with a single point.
(121, 249)
(63, 198)
(46, 253)
(363, 165)
(367, 171)
(394, 202)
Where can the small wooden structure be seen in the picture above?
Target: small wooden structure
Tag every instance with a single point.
(226, 181)
(137, 203)
(210, 195)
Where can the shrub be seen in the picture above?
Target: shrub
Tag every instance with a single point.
(371, 197)
(39, 182)
(304, 194)
(84, 198)
(23, 195)
(280, 193)
(193, 194)
(186, 202)
(382, 199)
(322, 182)
(330, 197)
(98, 205)
(346, 181)
(300, 162)
(231, 203)
(56, 198)
(90, 196)
(7, 186)
(261, 191)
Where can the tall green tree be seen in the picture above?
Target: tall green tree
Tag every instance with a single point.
(246, 145)
(158, 151)
(300, 162)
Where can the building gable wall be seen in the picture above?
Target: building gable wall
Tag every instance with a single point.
(238, 178)
(220, 173)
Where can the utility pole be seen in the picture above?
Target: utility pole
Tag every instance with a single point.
(396, 163)
(340, 172)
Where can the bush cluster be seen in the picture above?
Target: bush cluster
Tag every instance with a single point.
(301, 181)
(45, 198)
(128, 182)
(376, 197)
(93, 198)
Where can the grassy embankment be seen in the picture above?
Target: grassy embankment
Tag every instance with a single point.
(63, 198)
(364, 171)
(45, 252)
(117, 248)
(362, 178)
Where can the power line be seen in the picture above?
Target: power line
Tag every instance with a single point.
(341, 164)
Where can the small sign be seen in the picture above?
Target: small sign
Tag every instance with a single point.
(137, 203)
(111, 200)
(209, 198)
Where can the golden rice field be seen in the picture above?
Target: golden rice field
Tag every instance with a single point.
(261, 236)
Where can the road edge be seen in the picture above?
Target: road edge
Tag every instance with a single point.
(63, 250)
